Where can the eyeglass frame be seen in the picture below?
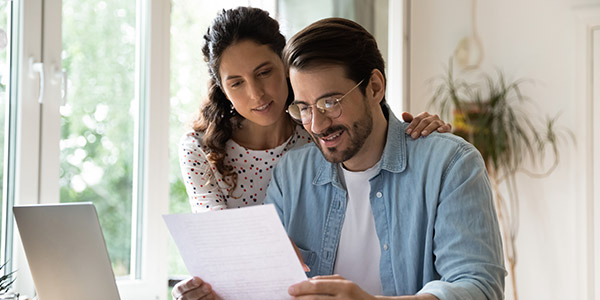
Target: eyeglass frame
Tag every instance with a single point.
(322, 110)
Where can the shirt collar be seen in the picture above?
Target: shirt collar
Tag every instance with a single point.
(394, 154)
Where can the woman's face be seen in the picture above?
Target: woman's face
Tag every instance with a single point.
(253, 79)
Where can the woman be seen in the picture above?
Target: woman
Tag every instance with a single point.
(243, 129)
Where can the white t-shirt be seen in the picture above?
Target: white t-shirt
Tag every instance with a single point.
(358, 252)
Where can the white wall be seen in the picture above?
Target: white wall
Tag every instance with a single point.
(540, 40)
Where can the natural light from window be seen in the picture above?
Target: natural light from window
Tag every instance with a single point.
(97, 130)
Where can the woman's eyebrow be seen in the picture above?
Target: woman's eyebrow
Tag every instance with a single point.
(229, 77)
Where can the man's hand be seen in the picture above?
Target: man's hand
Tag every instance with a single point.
(328, 287)
(424, 124)
(337, 287)
(193, 288)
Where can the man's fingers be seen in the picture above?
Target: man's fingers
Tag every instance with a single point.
(325, 285)
(311, 287)
(314, 297)
(322, 277)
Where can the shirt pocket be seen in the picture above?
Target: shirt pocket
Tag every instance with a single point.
(309, 257)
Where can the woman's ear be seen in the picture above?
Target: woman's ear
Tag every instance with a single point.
(376, 87)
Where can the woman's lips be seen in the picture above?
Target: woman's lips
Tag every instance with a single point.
(263, 107)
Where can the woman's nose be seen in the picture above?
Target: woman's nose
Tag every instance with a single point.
(256, 90)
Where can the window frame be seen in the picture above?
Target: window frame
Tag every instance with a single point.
(153, 193)
(27, 144)
(8, 193)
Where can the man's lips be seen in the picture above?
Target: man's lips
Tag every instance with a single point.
(330, 136)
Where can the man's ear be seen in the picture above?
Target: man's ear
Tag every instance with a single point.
(376, 87)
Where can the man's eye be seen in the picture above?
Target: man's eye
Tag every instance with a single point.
(326, 103)
(303, 109)
(264, 73)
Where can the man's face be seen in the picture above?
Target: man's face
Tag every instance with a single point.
(340, 139)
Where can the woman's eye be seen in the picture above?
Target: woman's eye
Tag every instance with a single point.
(235, 84)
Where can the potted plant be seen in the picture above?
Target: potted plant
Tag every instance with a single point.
(6, 281)
(490, 114)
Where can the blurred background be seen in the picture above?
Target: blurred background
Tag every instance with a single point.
(122, 80)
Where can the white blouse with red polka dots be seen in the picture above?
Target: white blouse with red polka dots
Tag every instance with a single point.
(204, 184)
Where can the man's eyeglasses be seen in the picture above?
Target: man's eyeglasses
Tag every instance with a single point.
(330, 106)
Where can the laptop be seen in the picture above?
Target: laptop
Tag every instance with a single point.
(66, 251)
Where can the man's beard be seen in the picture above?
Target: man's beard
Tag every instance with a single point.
(361, 130)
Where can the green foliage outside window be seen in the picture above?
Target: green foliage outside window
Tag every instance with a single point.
(99, 44)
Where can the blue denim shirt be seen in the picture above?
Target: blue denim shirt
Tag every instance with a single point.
(433, 210)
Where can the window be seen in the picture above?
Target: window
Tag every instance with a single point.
(98, 119)
(91, 141)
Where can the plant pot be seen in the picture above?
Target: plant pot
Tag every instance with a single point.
(470, 123)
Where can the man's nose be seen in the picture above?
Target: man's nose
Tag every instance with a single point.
(320, 121)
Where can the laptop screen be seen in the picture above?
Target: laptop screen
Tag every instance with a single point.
(66, 251)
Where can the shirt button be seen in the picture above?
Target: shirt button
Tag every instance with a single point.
(379, 195)
(385, 247)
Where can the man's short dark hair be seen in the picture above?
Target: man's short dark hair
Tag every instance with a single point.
(335, 41)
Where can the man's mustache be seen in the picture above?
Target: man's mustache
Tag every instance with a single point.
(329, 131)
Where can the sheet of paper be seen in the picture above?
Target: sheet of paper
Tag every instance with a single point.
(243, 253)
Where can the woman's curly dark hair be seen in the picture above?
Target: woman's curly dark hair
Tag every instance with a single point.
(216, 120)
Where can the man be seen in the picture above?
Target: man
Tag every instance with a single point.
(391, 215)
